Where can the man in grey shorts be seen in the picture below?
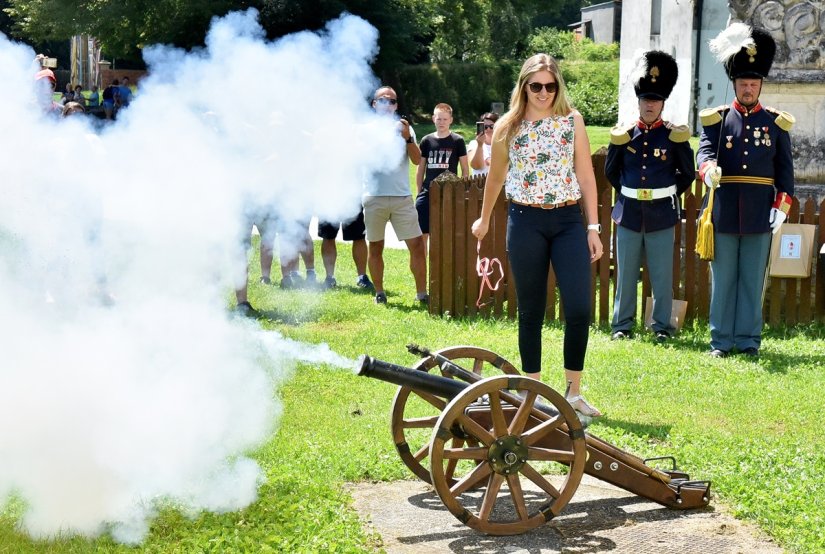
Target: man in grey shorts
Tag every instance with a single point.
(388, 199)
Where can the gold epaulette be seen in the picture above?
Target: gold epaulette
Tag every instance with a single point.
(711, 116)
(679, 133)
(784, 120)
(620, 135)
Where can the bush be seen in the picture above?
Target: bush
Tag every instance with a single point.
(470, 88)
(563, 45)
(554, 42)
(594, 90)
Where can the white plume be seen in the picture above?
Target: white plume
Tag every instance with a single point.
(730, 41)
(639, 67)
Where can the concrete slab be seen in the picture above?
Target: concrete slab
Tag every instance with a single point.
(410, 518)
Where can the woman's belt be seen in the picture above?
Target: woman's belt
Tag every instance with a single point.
(546, 206)
(649, 194)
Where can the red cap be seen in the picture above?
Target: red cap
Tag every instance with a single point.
(45, 74)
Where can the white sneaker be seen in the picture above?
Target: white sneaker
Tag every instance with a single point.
(580, 405)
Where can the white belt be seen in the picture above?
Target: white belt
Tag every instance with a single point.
(649, 194)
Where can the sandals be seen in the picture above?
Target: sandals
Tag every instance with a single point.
(580, 405)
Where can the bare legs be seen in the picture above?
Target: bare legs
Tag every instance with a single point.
(418, 263)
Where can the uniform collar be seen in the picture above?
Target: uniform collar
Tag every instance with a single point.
(742, 109)
(642, 125)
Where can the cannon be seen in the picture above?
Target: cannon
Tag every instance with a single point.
(487, 431)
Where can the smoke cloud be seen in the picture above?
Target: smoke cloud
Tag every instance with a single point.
(123, 380)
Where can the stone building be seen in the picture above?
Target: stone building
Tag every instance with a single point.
(683, 29)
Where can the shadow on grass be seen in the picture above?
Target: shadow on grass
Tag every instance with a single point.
(658, 432)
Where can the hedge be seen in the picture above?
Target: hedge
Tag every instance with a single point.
(470, 88)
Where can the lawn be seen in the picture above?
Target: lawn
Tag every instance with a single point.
(753, 428)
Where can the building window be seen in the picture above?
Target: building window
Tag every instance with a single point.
(656, 17)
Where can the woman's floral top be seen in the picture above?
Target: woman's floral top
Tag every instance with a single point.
(541, 162)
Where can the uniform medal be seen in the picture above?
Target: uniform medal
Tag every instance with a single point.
(729, 143)
(664, 150)
(656, 152)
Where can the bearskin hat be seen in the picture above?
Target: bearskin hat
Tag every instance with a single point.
(654, 75)
(745, 52)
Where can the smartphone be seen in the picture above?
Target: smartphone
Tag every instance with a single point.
(479, 127)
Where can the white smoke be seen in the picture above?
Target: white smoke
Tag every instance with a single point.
(123, 381)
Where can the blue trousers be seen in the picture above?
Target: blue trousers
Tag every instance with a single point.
(535, 238)
(657, 248)
(738, 277)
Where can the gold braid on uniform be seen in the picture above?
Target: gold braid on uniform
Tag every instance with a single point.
(620, 135)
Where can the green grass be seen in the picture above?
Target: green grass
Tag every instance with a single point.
(753, 428)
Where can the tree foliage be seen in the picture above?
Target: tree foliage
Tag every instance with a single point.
(125, 26)
(564, 45)
(411, 31)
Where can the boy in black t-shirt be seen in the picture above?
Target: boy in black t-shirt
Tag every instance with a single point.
(440, 151)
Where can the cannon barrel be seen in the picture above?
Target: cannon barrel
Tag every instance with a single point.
(416, 379)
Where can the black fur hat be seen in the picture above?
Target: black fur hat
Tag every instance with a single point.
(746, 52)
(654, 75)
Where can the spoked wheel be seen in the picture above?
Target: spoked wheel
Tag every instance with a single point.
(505, 454)
(414, 414)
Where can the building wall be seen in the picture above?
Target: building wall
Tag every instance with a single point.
(676, 38)
(713, 86)
(602, 19)
(806, 102)
(796, 83)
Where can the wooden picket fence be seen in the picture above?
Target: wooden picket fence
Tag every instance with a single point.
(454, 283)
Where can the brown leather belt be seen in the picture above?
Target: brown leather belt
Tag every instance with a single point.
(546, 206)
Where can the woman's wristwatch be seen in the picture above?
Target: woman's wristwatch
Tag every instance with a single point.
(595, 227)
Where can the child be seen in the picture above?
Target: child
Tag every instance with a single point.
(440, 151)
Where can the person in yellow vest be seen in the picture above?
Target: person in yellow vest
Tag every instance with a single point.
(745, 151)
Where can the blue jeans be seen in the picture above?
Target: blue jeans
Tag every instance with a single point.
(535, 238)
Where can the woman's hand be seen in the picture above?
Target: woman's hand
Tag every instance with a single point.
(480, 228)
(595, 245)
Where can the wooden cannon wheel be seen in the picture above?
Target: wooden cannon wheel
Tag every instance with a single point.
(503, 455)
(414, 414)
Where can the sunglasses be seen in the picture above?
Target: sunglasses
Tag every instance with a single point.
(489, 126)
(386, 101)
(549, 87)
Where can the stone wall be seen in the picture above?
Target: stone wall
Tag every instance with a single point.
(806, 102)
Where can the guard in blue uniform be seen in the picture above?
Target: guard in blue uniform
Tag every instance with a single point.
(745, 151)
(650, 164)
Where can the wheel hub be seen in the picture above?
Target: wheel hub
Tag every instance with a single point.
(507, 454)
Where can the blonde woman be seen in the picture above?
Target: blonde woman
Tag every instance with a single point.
(541, 156)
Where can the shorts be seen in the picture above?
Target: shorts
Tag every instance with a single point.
(354, 229)
(267, 226)
(422, 206)
(398, 210)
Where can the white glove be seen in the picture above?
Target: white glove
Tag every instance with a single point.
(776, 219)
(712, 176)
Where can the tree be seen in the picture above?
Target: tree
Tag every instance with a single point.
(123, 27)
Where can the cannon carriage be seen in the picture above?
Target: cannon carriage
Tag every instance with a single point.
(465, 421)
